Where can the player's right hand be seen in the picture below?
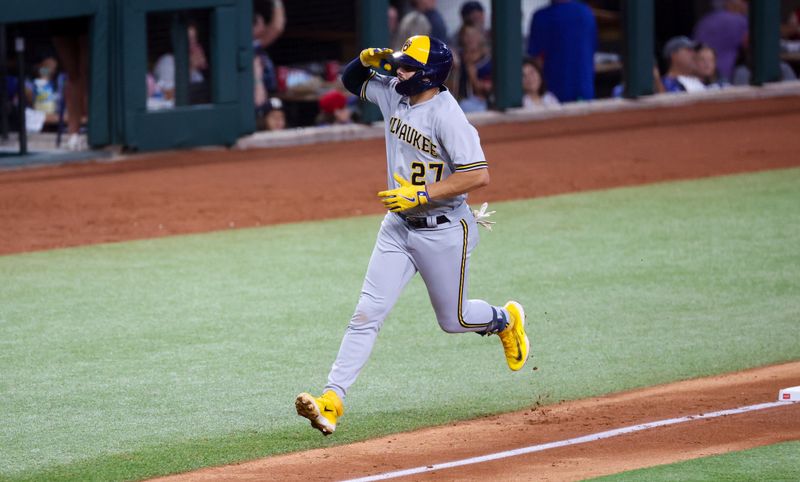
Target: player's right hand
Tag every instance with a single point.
(376, 58)
(405, 197)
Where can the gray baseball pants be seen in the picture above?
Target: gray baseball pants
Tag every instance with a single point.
(441, 255)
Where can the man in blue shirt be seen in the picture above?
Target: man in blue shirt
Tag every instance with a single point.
(563, 37)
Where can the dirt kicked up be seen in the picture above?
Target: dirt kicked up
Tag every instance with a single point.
(201, 191)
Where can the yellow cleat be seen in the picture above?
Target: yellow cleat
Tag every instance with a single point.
(515, 341)
(322, 411)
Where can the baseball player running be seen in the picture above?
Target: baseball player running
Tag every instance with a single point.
(434, 159)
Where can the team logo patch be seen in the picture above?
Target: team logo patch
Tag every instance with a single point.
(406, 45)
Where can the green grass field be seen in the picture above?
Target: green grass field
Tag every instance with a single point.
(771, 463)
(135, 359)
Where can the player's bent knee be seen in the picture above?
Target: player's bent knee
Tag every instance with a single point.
(450, 325)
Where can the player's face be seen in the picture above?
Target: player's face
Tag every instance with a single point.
(405, 72)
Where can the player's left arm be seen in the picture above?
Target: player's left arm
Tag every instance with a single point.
(354, 76)
(409, 195)
(461, 141)
(458, 183)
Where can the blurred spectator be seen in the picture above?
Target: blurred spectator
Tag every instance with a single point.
(71, 40)
(563, 39)
(333, 109)
(423, 19)
(12, 85)
(658, 84)
(392, 21)
(164, 69)
(472, 15)
(274, 118)
(198, 63)
(534, 90)
(742, 74)
(725, 31)
(707, 67)
(156, 97)
(269, 21)
(438, 27)
(260, 96)
(790, 30)
(45, 87)
(475, 72)
(413, 23)
(681, 76)
(473, 20)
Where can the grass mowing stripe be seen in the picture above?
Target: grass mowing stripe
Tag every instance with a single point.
(769, 463)
(134, 359)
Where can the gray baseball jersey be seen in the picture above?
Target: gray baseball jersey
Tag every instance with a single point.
(425, 143)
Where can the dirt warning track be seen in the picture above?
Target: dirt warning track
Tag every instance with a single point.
(201, 191)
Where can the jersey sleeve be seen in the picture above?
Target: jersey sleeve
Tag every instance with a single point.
(462, 143)
(379, 89)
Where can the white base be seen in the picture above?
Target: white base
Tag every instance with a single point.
(791, 394)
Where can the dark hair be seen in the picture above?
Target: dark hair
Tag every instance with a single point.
(468, 7)
(702, 46)
(263, 8)
(532, 63)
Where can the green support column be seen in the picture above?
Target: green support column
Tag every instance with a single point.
(100, 77)
(3, 74)
(374, 32)
(245, 66)
(639, 47)
(180, 48)
(765, 23)
(507, 53)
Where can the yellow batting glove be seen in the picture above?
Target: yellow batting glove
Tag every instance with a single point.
(376, 58)
(405, 197)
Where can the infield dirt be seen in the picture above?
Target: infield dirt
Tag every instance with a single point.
(559, 422)
(208, 190)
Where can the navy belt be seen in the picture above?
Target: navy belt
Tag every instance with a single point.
(416, 222)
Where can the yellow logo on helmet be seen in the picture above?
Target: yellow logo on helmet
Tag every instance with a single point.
(418, 48)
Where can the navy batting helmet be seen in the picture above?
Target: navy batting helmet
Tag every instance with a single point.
(431, 59)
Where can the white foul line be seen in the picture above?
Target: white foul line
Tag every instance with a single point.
(564, 443)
